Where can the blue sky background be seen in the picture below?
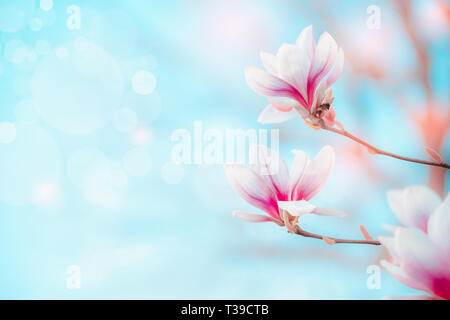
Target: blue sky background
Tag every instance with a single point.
(86, 183)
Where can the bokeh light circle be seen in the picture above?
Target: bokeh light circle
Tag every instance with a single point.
(172, 173)
(125, 120)
(137, 162)
(33, 157)
(7, 132)
(78, 94)
(147, 107)
(143, 82)
(46, 4)
(26, 112)
(14, 15)
(36, 24)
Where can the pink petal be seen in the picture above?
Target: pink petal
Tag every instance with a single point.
(272, 168)
(324, 59)
(271, 115)
(401, 276)
(316, 175)
(268, 85)
(298, 168)
(270, 63)
(250, 217)
(319, 96)
(420, 258)
(252, 188)
(293, 67)
(337, 70)
(439, 226)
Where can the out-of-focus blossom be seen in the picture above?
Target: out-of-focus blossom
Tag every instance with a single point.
(303, 73)
(283, 195)
(433, 124)
(420, 250)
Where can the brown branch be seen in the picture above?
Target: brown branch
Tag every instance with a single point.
(375, 150)
(307, 234)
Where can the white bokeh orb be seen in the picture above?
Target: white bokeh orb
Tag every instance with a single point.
(14, 15)
(80, 163)
(115, 31)
(79, 94)
(137, 162)
(7, 132)
(16, 51)
(125, 120)
(143, 82)
(62, 53)
(42, 47)
(31, 158)
(147, 107)
(26, 112)
(46, 4)
(101, 187)
(35, 24)
(172, 173)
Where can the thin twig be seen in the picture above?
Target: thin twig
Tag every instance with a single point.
(304, 233)
(375, 150)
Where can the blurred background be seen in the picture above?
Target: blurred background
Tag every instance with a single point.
(92, 91)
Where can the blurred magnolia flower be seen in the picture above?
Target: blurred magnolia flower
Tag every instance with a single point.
(302, 73)
(283, 195)
(420, 251)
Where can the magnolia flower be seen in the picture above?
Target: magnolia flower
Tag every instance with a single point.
(302, 73)
(420, 251)
(282, 194)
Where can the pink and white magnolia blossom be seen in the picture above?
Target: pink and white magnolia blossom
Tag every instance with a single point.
(284, 195)
(420, 249)
(303, 73)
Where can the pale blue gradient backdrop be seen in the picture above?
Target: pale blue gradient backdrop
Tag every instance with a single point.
(74, 190)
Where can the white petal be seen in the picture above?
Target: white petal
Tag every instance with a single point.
(286, 105)
(305, 41)
(251, 217)
(420, 258)
(298, 168)
(293, 67)
(252, 188)
(323, 211)
(395, 201)
(268, 85)
(316, 175)
(270, 63)
(272, 115)
(419, 203)
(400, 275)
(413, 205)
(296, 208)
(389, 243)
(439, 226)
(272, 168)
(337, 70)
